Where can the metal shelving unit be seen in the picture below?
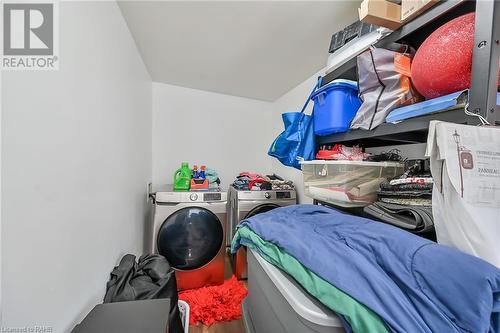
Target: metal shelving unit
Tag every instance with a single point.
(407, 132)
(482, 96)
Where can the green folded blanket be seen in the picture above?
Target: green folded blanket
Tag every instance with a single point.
(361, 318)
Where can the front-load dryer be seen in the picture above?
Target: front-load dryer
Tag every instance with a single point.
(189, 231)
(243, 204)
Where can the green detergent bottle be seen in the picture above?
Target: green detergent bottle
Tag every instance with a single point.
(182, 178)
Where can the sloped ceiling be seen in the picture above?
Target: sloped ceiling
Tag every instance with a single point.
(251, 49)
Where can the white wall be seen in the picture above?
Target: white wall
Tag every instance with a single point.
(230, 134)
(75, 162)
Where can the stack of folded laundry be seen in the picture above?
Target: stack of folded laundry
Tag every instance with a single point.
(258, 182)
(278, 183)
(406, 202)
(244, 179)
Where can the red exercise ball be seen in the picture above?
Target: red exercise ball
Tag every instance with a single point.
(442, 64)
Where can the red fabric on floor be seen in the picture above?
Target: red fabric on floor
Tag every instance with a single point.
(209, 305)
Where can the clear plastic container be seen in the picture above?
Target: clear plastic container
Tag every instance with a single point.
(347, 183)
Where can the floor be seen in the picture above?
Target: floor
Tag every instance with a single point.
(235, 326)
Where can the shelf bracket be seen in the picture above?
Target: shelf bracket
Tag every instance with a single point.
(485, 59)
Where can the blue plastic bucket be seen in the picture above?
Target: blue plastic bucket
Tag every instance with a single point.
(335, 105)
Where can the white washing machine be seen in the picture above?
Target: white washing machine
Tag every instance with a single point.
(243, 204)
(189, 231)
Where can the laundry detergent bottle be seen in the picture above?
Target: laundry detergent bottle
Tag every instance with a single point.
(182, 178)
(202, 173)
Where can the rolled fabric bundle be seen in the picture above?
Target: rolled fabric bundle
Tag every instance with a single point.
(412, 218)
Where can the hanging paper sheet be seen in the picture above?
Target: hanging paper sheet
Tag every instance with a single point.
(465, 164)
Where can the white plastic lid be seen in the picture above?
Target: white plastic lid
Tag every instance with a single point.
(346, 162)
(304, 305)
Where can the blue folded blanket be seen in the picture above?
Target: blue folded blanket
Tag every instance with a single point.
(413, 284)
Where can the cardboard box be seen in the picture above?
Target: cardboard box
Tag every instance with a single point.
(380, 12)
(412, 8)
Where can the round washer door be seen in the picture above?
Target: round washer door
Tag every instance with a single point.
(190, 238)
(261, 209)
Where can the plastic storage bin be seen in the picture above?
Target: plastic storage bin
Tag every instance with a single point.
(335, 105)
(277, 304)
(347, 183)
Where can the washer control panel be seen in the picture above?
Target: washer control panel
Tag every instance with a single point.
(212, 196)
(190, 197)
(265, 194)
(283, 195)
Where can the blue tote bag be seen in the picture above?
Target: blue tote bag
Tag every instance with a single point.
(297, 142)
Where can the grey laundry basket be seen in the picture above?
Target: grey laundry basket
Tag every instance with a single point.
(276, 303)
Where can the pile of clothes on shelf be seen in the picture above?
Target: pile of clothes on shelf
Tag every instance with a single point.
(257, 182)
(340, 152)
(406, 201)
